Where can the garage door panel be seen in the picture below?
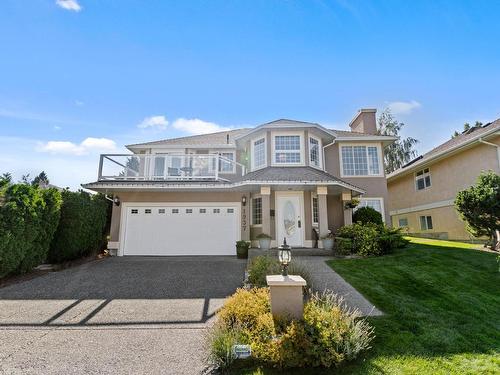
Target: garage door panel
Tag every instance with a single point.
(182, 230)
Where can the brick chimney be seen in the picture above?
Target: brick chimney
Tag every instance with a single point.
(364, 121)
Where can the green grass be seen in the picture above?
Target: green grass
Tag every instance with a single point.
(442, 310)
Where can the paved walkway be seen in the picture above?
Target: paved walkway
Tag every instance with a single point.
(323, 277)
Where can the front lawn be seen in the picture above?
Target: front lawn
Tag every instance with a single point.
(442, 310)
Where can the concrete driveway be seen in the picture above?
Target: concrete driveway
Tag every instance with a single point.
(117, 315)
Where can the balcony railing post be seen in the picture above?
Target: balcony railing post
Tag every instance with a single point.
(99, 174)
(217, 167)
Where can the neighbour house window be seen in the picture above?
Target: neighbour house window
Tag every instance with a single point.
(375, 203)
(425, 222)
(256, 211)
(403, 222)
(315, 210)
(360, 161)
(287, 149)
(224, 165)
(259, 153)
(423, 179)
(159, 168)
(314, 154)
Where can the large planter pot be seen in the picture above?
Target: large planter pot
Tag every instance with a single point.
(328, 243)
(242, 252)
(264, 243)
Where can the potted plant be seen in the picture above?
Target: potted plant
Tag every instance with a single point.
(353, 203)
(327, 240)
(264, 241)
(242, 249)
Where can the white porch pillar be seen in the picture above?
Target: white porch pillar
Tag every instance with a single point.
(346, 197)
(265, 192)
(322, 191)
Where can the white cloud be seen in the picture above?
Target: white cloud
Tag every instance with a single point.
(69, 5)
(403, 107)
(197, 126)
(155, 122)
(79, 103)
(88, 145)
(57, 127)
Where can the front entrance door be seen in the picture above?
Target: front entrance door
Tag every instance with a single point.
(290, 218)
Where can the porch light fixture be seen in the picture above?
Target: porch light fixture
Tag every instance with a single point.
(244, 201)
(116, 200)
(285, 257)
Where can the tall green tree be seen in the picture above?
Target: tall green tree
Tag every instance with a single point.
(479, 207)
(41, 180)
(402, 150)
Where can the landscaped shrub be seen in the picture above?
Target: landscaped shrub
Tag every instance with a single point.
(81, 230)
(262, 266)
(327, 335)
(368, 239)
(365, 215)
(28, 220)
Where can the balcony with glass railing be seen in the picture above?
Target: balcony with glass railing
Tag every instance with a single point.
(171, 167)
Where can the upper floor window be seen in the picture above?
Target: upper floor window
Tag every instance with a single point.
(259, 153)
(314, 152)
(226, 166)
(287, 149)
(423, 179)
(360, 161)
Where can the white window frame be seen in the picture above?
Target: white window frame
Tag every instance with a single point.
(373, 199)
(426, 222)
(251, 211)
(314, 224)
(254, 167)
(301, 151)
(320, 151)
(379, 156)
(424, 174)
(233, 164)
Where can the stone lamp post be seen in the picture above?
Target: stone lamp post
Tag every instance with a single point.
(286, 290)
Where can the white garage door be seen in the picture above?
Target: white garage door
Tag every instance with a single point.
(201, 229)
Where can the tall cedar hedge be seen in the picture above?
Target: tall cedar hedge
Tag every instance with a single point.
(28, 219)
(81, 230)
(44, 224)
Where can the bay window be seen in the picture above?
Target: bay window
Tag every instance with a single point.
(259, 153)
(314, 152)
(287, 149)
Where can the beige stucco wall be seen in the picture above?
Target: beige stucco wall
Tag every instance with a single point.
(448, 176)
(375, 187)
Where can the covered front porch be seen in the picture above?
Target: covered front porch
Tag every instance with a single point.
(300, 213)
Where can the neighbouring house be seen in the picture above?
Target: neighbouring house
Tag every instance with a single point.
(198, 195)
(421, 194)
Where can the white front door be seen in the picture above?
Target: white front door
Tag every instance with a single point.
(290, 218)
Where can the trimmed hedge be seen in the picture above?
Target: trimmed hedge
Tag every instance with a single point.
(365, 215)
(28, 219)
(81, 230)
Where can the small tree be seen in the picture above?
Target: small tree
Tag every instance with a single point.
(479, 207)
(41, 180)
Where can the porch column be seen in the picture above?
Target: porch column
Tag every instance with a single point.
(346, 197)
(265, 192)
(322, 191)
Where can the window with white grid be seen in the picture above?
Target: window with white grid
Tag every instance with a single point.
(375, 203)
(360, 161)
(257, 211)
(314, 154)
(259, 153)
(287, 149)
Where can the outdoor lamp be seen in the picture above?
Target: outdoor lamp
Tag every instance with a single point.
(285, 257)
(116, 201)
(244, 200)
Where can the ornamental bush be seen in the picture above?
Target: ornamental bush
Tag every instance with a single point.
(82, 227)
(28, 219)
(365, 215)
(327, 335)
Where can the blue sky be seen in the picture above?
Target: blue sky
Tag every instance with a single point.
(81, 77)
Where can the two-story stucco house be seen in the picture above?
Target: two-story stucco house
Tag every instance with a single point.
(198, 195)
(422, 193)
